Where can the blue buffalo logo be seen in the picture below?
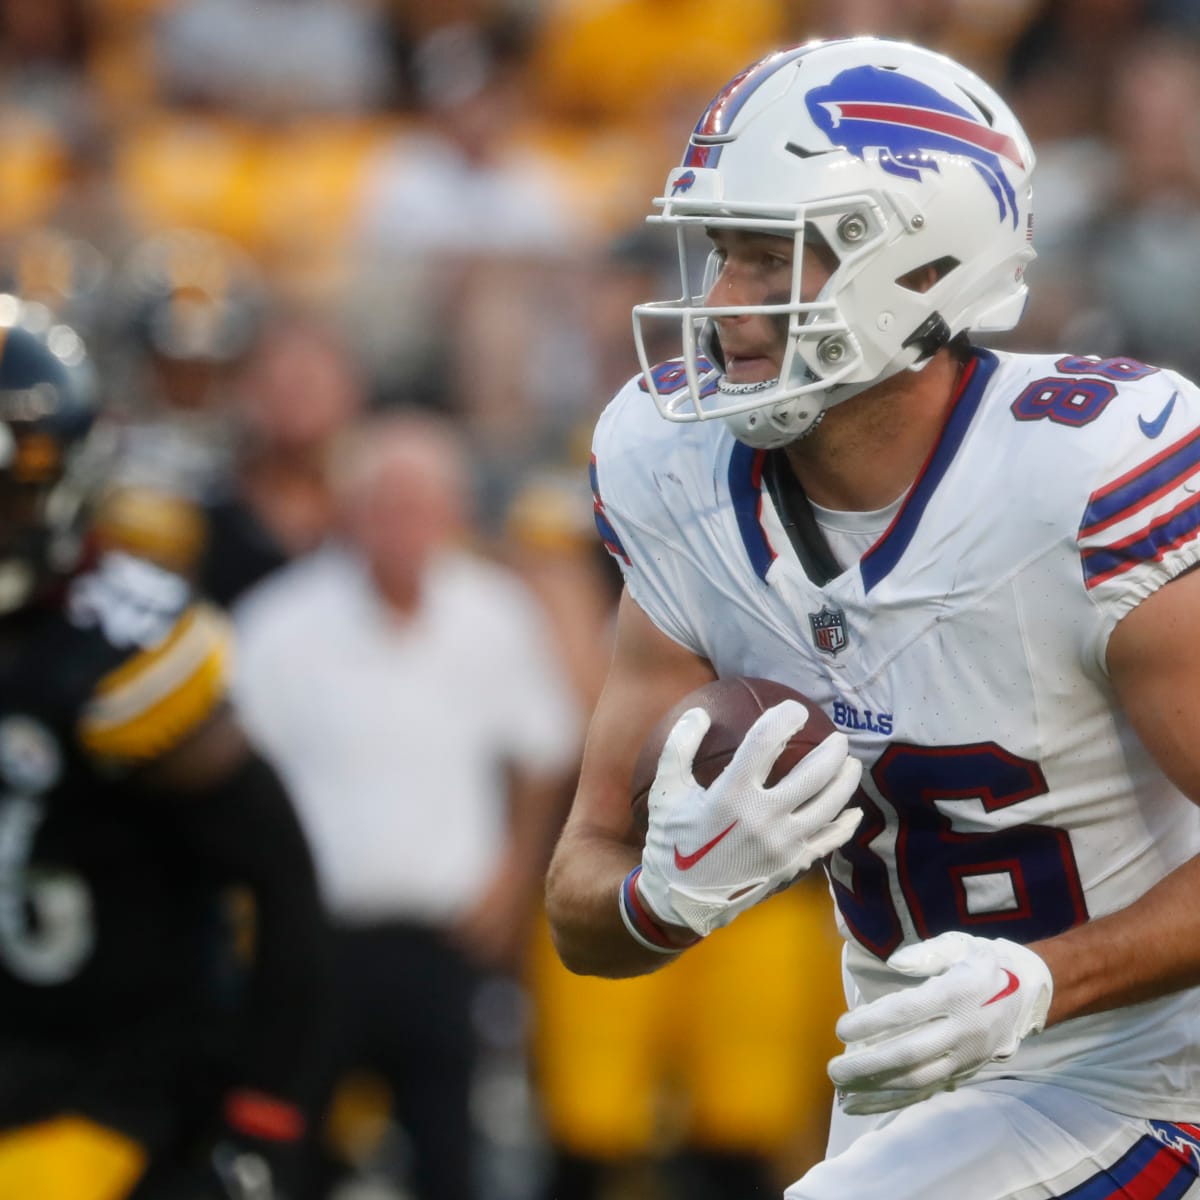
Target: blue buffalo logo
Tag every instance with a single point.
(866, 108)
(683, 183)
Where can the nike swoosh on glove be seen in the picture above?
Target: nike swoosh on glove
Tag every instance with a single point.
(711, 853)
(978, 999)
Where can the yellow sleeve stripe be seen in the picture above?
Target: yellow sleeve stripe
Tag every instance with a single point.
(156, 698)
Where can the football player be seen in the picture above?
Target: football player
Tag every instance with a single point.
(186, 310)
(979, 564)
(142, 1052)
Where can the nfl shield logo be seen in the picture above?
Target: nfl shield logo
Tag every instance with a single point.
(828, 629)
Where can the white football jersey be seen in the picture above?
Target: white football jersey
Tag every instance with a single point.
(1005, 793)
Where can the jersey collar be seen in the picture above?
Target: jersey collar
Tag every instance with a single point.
(747, 466)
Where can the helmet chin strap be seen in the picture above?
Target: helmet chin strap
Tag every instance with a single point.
(768, 427)
(728, 388)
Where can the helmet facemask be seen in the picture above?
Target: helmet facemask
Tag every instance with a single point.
(819, 350)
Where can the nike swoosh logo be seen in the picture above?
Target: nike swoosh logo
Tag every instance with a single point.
(1153, 428)
(1007, 990)
(685, 862)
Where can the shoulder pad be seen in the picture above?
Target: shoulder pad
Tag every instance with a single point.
(174, 674)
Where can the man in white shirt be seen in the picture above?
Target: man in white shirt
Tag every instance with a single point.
(405, 689)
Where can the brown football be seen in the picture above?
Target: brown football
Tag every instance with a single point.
(734, 704)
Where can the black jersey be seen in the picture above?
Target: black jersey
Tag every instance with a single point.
(107, 913)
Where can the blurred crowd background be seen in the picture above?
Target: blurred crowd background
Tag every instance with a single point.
(275, 221)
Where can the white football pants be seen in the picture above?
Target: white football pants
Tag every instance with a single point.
(1005, 1139)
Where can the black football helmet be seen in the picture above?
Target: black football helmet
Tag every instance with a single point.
(48, 405)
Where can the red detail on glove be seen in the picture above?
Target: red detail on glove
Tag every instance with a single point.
(1007, 990)
(685, 862)
(259, 1115)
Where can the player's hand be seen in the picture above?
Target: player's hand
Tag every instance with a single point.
(259, 1134)
(224, 1170)
(980, 997)
(711, 853)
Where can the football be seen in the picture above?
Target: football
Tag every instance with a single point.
(734, 704)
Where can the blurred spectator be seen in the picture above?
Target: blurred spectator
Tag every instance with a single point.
(186, 310)
(1142, 252)
(274, 57)
(54, 135)
(43, 54)
(1059, 68)
(298, 392)
(447, 198)
(1118, 224)
(540, 354)
(405, 690)
(638, 262)
(1059, 76)
(258, 127)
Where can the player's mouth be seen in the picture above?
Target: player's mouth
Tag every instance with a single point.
(750, 368)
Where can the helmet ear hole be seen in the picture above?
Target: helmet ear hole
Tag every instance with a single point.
(922, 278)
(816, 241)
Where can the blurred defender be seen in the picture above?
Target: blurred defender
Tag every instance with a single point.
(981, 565)
(140, 1056)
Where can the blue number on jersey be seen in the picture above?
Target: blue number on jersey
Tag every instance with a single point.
(1019, 882)
(1069, 400)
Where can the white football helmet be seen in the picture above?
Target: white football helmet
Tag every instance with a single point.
(895, 158)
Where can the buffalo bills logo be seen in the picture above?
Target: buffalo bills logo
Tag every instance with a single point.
(867, 108)
(683, 183)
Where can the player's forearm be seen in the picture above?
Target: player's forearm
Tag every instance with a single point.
(1146, 950)
(582, 888)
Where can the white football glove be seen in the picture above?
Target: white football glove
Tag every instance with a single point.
(711, 853)
(980, 998)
